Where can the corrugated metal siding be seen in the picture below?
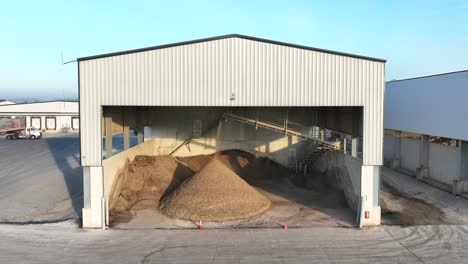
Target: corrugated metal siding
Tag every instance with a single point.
(434, 105)
(207, 73)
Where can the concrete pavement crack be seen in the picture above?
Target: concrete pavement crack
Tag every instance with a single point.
(147, 257)
(404, 246)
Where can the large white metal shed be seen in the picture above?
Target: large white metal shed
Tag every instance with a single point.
(229, 71)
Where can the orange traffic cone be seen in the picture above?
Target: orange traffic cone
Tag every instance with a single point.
(285, 225)
(200, 225)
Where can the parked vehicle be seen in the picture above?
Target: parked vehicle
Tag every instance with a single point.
(28, 133)
(15, 128)
(12, 124)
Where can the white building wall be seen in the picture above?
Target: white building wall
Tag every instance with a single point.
(62, 111)
(443, 163)
(209, 73)
(433, 105)
(410, 153)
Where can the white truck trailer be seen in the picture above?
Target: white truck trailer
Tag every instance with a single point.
(15, 128)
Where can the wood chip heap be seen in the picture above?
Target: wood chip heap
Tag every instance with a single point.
(215, 193)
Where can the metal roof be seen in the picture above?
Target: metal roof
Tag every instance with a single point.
(49, 108)
(44, 102)
(427, 76)
(433, 105)
(229, 36)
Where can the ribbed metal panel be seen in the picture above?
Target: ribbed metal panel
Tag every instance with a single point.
(432, 105)
(207, 73)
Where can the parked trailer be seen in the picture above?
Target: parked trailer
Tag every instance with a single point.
(12, 124)
(15, 128)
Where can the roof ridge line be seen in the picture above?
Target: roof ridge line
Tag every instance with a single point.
(175, 44)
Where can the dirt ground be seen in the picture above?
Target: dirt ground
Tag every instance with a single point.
(399, 209)
(298, 207)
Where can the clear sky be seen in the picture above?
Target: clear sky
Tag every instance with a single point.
(416, 37)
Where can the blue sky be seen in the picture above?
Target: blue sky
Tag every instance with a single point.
(416, 37)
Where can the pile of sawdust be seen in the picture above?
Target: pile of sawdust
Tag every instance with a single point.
(149, 178)
(245, 164)
(215, 193)
(146, 180)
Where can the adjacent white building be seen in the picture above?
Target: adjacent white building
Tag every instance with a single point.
(426, 128)
(51, 116)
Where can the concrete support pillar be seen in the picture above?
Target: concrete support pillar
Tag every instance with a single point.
(423, 170)
(424, 150)
(397, 158)
(140, 127)
(43, 122)
(461, 184)
(355, 133)
(219, 134)
(108, 135)
(354, 147)
(463, 161)
(126, 129)
(370, 209)
(93, 193)
(28, 121)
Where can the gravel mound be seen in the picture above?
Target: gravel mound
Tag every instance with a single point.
(215, 193)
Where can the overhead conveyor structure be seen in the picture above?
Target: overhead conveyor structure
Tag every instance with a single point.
(319, 146)
(281, 129)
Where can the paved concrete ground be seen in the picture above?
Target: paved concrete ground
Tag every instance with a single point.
(40, 180)
(64, 243)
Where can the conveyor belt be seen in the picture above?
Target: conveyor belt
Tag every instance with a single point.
(280, 129)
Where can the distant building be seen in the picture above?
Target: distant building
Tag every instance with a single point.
(51, 116)
(6, 102)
